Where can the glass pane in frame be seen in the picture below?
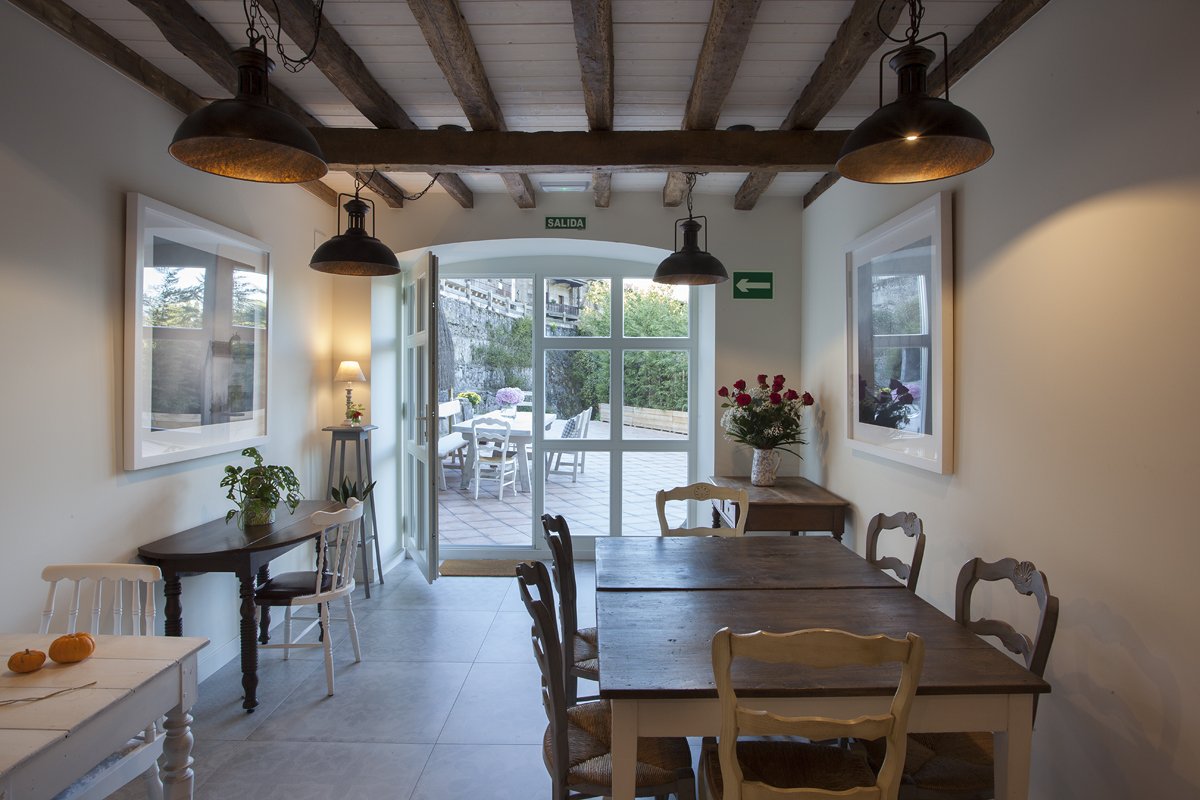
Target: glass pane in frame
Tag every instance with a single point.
(656, 394)
(578, 306)
(642, 476)
(654, 310)
(577, 389)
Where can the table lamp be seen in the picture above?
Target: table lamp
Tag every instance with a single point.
(349, 371)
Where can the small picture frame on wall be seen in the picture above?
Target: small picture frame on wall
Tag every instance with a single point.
(900, 319)
(197, 336)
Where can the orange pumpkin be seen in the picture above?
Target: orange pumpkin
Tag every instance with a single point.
(26, 660)
(72, 647)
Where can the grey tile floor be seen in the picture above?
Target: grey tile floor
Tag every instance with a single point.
(445, 704)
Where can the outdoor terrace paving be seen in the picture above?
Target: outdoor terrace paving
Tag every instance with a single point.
(464, 521)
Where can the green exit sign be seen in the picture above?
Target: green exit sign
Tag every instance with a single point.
(753, 285)
(566, 223)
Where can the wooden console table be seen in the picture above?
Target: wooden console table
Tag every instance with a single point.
(792, 504)
(221, 546)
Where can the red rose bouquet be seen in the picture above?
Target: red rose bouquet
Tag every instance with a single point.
(765, 416)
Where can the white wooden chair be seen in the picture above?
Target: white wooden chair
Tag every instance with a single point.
(493, 456)
(451, 444)
(332, 579)
(735, 769)
(574, 428)
(701, 493)
(911, 526)
(132, 614)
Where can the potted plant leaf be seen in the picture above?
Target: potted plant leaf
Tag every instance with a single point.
(257, 490)
(350, 489)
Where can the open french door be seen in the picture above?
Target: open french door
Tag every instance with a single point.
(419, 414)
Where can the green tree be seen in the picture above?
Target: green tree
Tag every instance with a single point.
(171, 305)
(508, 352)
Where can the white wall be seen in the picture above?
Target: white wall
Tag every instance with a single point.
(1076, 334)
(76, 136)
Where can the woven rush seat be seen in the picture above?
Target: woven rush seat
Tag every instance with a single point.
(955, 764)
(789, 765)
(586, 654)
(290, 584)
(589, 734)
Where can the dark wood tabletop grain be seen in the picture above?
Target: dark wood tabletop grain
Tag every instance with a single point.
(218, 538)
(657, 644)
(743, 562)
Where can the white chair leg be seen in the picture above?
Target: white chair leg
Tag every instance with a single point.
(477, 474)
(442, 474)
(287, 632)
(353, 629)
(500, 474)
(150, 778)
(328, 648)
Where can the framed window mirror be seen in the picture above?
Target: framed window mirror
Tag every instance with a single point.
(197, 325)
(899, 289)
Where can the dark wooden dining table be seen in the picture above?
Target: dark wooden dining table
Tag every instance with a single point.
(221, 546)
(656, 656)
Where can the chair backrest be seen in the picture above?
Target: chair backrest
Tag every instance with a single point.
(558, 539)
(911, 526)
(533, 578)
(448, 412)
(1026, 579)
(702, 493)
(142, 577)
(493, 430)
(338, 547)
(576, 426)
(823, 648)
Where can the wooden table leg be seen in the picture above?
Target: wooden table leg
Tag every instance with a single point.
(249, 647)
(173, 605)
(264, 622)
(624, 748)
(1013, 750)
(176, 767)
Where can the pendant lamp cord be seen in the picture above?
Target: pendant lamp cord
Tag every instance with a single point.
(691, 184)
(254, 14)
(916, 12)
(412, 198)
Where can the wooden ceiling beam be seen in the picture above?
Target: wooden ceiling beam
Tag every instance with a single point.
(453, 48)
(858, 39)
(349, 75)
(725, 43)
(577, 151)
(594, 45)
(196, 38)
(1000, 23)
(90, 37)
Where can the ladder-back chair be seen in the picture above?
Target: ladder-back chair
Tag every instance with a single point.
(701, 493)
(581, 649)
(911, 526)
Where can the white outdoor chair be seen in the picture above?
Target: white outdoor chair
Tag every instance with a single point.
(493, 454)
(574, 428)
(132, 614)
(333, 578)
(701, 493)
(451, 444)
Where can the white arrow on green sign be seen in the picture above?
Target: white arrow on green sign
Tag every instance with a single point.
(753, 285)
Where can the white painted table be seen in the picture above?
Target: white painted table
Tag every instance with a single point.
(47, 745)
(520, 434)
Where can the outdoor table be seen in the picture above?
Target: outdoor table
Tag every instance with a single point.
(520, 434)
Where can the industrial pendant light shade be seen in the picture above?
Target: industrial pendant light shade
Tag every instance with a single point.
(355, 252)
(689, 265)
(246, 138)
(916, 137)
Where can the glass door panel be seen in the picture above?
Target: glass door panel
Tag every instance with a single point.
(656, 394)
(643, 474)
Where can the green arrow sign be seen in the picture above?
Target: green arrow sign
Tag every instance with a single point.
(753, 285)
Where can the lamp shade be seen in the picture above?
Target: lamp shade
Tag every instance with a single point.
(349, 372)
(916, 137)
(690, 265)
(246, 138)
(355, 252)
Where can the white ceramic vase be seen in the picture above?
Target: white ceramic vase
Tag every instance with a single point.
(764, 466)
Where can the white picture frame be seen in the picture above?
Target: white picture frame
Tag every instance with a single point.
(197, 336)
(900, 325)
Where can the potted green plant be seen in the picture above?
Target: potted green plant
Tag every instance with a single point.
(257, 490)
(350, 489)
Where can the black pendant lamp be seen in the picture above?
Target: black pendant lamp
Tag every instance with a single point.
(245, 137)
(689, 265)
(916, 137)
(355, 252)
